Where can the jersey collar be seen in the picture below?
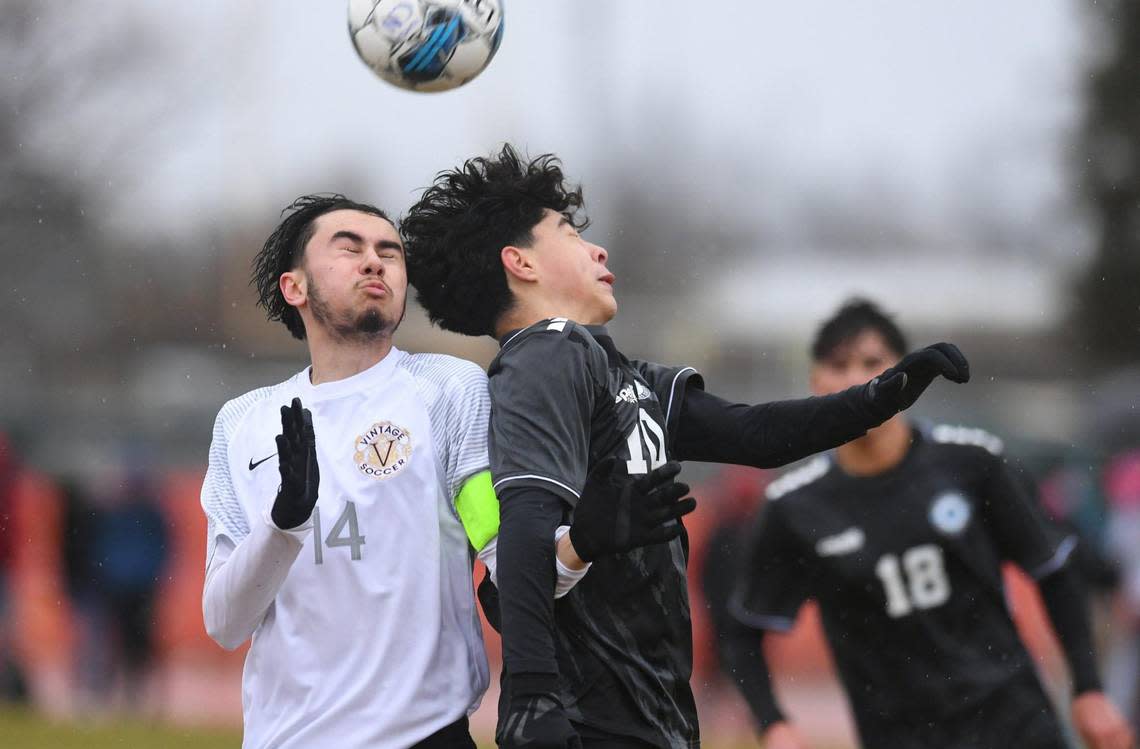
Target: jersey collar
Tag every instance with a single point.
(602, 336)
(375, 376)
(512, 335)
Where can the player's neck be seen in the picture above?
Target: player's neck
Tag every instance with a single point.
(525, 313)
(878, 451)
(337, 360)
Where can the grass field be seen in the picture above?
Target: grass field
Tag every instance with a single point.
(21, 729)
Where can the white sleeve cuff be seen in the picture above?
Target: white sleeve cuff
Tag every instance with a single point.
(301, 532)
(488, 555)
(567, 578)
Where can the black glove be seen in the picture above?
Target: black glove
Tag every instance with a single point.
(297, 460)
(535, 720)
(617, 513)
(899, 387)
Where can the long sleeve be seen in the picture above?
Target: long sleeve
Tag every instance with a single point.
(739, 647)
(773, 434)
(243, 580)
(566, 578)
(741, 652)
(1067, 605)
(543, 390)
(1018, 526)
(526, 579)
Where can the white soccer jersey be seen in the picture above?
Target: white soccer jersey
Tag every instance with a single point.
(371, 638)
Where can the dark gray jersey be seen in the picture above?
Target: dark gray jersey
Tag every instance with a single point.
(906, 568)
(562, 399)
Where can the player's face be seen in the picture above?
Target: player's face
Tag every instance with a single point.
(857, 361)
(572, 272)
(353, 282)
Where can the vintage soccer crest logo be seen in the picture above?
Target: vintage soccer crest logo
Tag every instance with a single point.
(383, 451)
(950, 512)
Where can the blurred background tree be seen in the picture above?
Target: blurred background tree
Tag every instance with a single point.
(1108, 292)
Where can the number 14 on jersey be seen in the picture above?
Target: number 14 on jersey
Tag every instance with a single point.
(346, 521)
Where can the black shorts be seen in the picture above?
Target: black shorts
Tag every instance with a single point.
(454, 736)
(1017, 716)
(593, 738)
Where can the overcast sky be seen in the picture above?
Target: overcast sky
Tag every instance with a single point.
(941, 103)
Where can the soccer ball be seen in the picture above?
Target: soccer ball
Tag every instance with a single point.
(426, 45)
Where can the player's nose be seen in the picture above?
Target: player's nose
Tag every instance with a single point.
(600, 254)
(370, 263)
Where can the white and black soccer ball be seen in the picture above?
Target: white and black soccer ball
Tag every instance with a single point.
(426, 45)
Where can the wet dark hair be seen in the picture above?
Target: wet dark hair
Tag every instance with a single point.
(455, 233)
(854, 318)
(285, 250)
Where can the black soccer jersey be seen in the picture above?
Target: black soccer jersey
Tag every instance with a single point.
(563, 398)
(906, 568)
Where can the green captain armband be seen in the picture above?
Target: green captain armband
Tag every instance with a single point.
(478, 509)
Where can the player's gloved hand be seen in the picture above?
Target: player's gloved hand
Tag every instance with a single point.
(536, 720)
(899, 387)
(297, 461)
(617, 513)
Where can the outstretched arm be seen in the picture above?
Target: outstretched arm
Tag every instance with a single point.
(774, 434)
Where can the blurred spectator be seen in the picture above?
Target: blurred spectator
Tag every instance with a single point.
(115, 548)
(80, 572)
(130, 544)
(13, 687)
(1072, 499)
(1122, 489)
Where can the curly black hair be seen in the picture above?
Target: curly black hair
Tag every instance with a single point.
(285, 250)
(854, 318)
(454, 234)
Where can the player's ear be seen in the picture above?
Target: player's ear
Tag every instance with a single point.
(294, 287)
(518, 262)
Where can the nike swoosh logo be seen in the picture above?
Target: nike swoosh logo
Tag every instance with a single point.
(253, 465)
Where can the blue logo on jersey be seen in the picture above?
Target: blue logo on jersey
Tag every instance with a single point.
(950, 513)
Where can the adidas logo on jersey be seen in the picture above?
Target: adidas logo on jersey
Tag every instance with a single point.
(958, 435)
(841, 543)
(626, 394)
